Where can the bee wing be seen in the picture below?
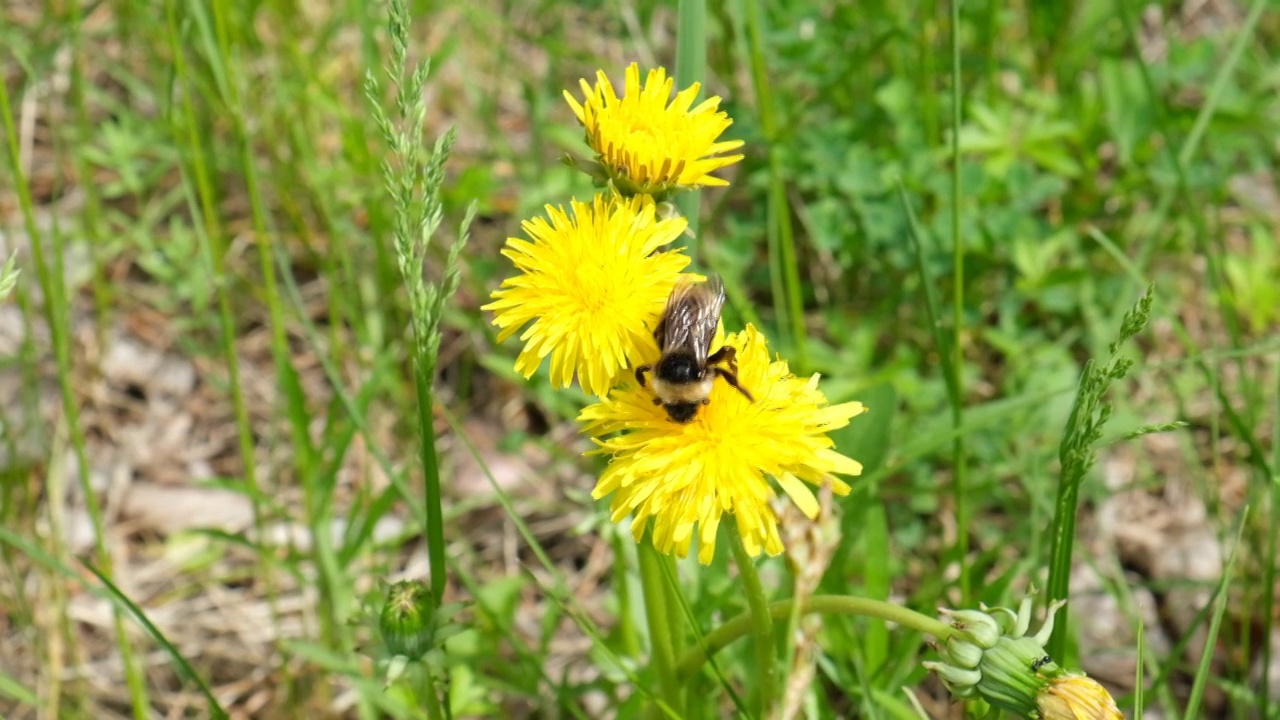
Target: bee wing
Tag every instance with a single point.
(690, 319)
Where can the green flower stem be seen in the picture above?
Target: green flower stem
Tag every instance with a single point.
(739, 626)
(657, 613)
(622, 589)
(761, 621)
(959, 459)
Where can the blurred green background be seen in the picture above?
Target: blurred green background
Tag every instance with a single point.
(204, 179)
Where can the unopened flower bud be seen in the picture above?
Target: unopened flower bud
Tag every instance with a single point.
(407, 620)
(990, 655)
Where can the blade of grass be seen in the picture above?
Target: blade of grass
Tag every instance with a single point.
(58, 319)
(203, 205)
(559, 591)
(1204, 671)
(1139, 689)
(92, 216)
(932, 310)
(11, 688)
(222, 60)
(180, 664)
(691, 67)
(1191, 144)
(959, 462)
(700, 640)
(1181, 190)
(1270, 570)
(783, 268)
(532, 657)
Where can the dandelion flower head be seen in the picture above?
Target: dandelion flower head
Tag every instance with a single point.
(592, 282)
(1077, 697)
(685, 477)
(647, 144)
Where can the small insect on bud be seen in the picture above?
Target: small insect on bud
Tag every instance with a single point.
(407, 621)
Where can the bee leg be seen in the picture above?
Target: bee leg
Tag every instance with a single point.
(728, 355)
(640, 371)
(732, 378)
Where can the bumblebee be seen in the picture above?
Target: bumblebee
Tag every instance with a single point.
(684, 375)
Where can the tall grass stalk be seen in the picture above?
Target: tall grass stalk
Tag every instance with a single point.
(9, 275)
(221, 49)
(414, 187)
(1270, 570)
(783, 268)
(1204, 670)
(57, 317)
(558, 591)
(203, 205)
(1076, 455)
(691, 67)
(959, 461)
(92, 216)
(180, 665)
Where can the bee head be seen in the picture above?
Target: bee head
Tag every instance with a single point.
(678, 368)
(682, 412)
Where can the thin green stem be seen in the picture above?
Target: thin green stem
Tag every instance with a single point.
(556, 589)
(434, 515)
(626, 629)
(57, 318)
(1269, 574)
(674, 601)
(662, 655)
(783, 266)
(691, 67)
(929, 95)
(761, 623)
(741, 625)
(957, 250)
(92, 193)
(214, 250)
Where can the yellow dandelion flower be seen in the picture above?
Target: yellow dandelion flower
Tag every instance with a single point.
(593, 283)
(1076, 697)
(647, 145)
(682, 475)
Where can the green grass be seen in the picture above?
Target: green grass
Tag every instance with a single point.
(952, 235)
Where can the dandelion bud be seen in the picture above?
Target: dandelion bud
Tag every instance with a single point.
(407, 620)
(990, 654)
